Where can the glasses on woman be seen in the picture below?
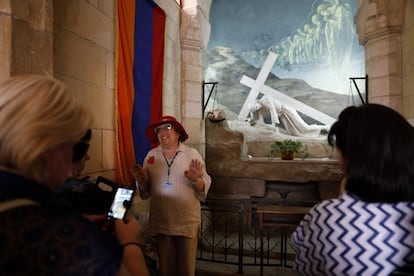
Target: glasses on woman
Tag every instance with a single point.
(167, 127)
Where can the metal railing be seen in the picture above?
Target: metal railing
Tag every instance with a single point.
(230, 234)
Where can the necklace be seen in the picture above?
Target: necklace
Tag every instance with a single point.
(169, 164)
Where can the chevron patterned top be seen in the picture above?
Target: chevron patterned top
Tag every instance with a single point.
(346, 236)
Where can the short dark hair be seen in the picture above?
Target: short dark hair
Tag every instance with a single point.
(379, 155)
(337, 132)
(81, 147)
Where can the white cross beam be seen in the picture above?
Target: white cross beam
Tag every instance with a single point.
(259, 86)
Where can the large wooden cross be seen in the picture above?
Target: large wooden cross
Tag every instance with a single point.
(258, 86)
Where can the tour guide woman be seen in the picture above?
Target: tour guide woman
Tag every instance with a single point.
(174, 175)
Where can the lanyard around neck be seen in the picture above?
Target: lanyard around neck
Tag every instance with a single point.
(169, 164)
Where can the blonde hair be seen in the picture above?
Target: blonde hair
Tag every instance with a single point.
(37, 113)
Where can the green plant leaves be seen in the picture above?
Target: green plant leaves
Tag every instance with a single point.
(287, 145)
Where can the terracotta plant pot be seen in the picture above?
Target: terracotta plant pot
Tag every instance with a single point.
(287, 155)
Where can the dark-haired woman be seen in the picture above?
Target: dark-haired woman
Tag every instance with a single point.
(369, 229)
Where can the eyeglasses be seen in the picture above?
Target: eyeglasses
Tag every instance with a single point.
(162, 127)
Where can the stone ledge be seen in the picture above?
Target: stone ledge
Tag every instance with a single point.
(295, 160)
(236, 172)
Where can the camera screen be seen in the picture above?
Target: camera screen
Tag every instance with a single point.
(118, 209)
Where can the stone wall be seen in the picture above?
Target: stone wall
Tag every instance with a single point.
(75, 40)
(84, 58)
(408, 62)
(172, 59)
(380, 27)
(22, 24)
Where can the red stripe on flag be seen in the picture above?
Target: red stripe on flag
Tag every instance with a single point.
(157, 63)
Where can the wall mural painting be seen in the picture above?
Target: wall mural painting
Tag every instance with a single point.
(285, 63)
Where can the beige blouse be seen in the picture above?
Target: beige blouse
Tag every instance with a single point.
(175, 205)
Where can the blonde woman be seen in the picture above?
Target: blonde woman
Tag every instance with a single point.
(40, 123)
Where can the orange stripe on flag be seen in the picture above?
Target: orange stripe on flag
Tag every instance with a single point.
(125, 155)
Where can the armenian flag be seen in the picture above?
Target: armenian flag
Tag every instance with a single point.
(140, 64)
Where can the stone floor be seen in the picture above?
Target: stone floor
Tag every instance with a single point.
(205, 268)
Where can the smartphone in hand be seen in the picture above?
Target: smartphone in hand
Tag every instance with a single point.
(121, 203)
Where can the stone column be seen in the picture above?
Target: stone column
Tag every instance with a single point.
(194, 32)
(26, 33)
(408, 62)
(379, 26)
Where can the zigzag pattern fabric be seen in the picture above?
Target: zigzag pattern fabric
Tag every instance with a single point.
(346, 236)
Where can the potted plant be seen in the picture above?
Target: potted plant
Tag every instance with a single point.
(287, 149)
